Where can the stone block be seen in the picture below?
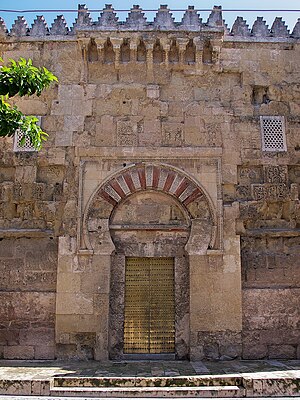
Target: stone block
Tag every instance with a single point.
(80, 107)
(44, 352)
(7, 248)
(282, 352)
(61, 108)
(254, 351)
(194, 131)
(64, 138)
(66, 245)
(101, 305)
(74, 303)
(103, 90)
(152, 91)
(18, 352)
(70, 92)
(68, 282)
(53, 123)
(15, 387)
(66, 352)
(10, 337)
(74, 123)
(56, 156)
(105, 134)
(127, 133)
(32, 106)
(25, 174)
(76, 323)
(172, 134)
(151, 133)
(101, 351)
(37, 337)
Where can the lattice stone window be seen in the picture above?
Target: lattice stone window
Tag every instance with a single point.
(273, 133)
(27, 145)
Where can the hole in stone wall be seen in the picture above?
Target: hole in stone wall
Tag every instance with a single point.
(207, 52)
(109, 54)
(141, 51)
(190, 52)
(174, 53)
(260, 95)
(158, 53)
(125, 51)
(92, 51)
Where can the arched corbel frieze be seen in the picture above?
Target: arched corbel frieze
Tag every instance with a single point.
(148, 177)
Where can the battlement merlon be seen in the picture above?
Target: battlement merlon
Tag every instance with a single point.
(136, 21)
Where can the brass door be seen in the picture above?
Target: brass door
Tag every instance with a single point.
(149, 321)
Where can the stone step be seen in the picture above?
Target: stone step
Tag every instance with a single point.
(150, 392)
(165, 381)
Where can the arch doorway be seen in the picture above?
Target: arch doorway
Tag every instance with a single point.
(156, 217)
(149, 310)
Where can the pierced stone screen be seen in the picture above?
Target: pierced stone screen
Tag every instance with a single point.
(273, 133)
(27, 146)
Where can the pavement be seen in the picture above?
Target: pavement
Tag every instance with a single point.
(44, 370)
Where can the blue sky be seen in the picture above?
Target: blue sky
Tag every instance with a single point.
(289, 17)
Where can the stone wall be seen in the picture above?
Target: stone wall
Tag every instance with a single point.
(269, 212)
(27, 297)
(153, 107)
(271, 274)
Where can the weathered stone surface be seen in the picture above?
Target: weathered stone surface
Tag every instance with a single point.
(155, 150)
(271, 317)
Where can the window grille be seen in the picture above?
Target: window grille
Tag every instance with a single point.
(273, 133)
(27, 145)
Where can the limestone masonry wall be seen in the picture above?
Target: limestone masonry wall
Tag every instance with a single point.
(140, 108)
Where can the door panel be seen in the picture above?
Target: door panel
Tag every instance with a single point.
(149, 325)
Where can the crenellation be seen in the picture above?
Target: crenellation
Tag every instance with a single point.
(136, 19)
(59, 27)
(240, 28)
(3, 28)
(296, 31)
(163, 20)
(260, 28)
(20, 27)
(191, 20)
(108, 19)
(83, 19)
(215, 19)
(39, 27)
(279, 29)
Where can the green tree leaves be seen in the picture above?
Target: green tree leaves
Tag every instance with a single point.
(22, 78)
(10, 118)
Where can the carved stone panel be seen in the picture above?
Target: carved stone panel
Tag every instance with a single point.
(172, 134)
(127, 134)
(275, 174)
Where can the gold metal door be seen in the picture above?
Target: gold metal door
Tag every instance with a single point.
(149, 320)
